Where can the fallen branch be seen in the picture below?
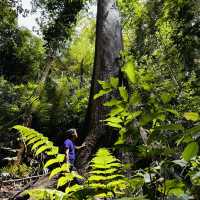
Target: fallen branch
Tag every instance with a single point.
(22, 179)
(23, 189)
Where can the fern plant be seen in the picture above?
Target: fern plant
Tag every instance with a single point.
(41, 145)
(41, 194)
(105, 177)
(17, 170)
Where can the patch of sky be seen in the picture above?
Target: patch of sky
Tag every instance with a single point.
(30, 20)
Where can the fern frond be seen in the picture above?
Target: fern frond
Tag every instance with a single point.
(104, 178)
(63, 168)
(59, 159)
(74, 188)
(65, 179)
(76, 175)
(105, 165)
(41, 194)
(101, 176)
(33, 140)
(54, 151)
(104, 195)
(106, 171)
(98, 185)
(119, 183)
(41, 149)
(29, 137)
(39, 143)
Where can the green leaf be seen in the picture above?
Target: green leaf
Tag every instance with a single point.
(191, 116)
(146, 86)
(115, 125)
(118, 183)
(195, 178)
(146, 118)
(63, 168)
(123, 93)
(41, 193)
(116, 111)
(121, 138)
(105, 85)
(114, 82)
(41, 149)
(33, 140)
(193, 130)
(39, 143)
(161, 117)
(135, 98)
(30, 137)
(97, 185)
(101, 93)
(104, 195)
(108, 171)
(76, 175)
(112, 102)
(55, 172)
(113, 120)
(53, 151)
(130, 71)
(107, 166)
(73, 188)
(173, 112)
(186, 139)
(181, 163)
(170, 127)
(178, 142)
(60, 158)
(176, 192)
(64, 179)
(103, 178)
(132, 116)
(173, 187)
(191, 150)
(166, 97)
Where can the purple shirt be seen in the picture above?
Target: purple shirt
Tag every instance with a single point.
(68, 144)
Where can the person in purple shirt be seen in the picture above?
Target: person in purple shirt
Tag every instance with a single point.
(70, 147)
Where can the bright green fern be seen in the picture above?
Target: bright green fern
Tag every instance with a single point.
(41, 194)
(105, 177)
(40, 144)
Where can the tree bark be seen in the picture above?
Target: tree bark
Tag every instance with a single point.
(106, 64)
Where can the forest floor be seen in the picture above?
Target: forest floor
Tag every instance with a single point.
(13, 188)
(8, 191)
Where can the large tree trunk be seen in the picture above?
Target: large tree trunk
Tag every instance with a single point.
(106, 64)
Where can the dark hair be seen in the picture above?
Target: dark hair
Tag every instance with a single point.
(70, 132)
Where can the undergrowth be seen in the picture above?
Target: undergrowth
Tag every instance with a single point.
(105, 175)
(16, 170)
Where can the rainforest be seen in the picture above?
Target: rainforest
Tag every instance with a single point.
(100, 100)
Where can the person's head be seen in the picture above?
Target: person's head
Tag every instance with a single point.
(72, 134)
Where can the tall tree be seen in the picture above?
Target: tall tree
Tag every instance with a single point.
(61, 15)
(55, 32)
(21, 52)
(106, 64)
